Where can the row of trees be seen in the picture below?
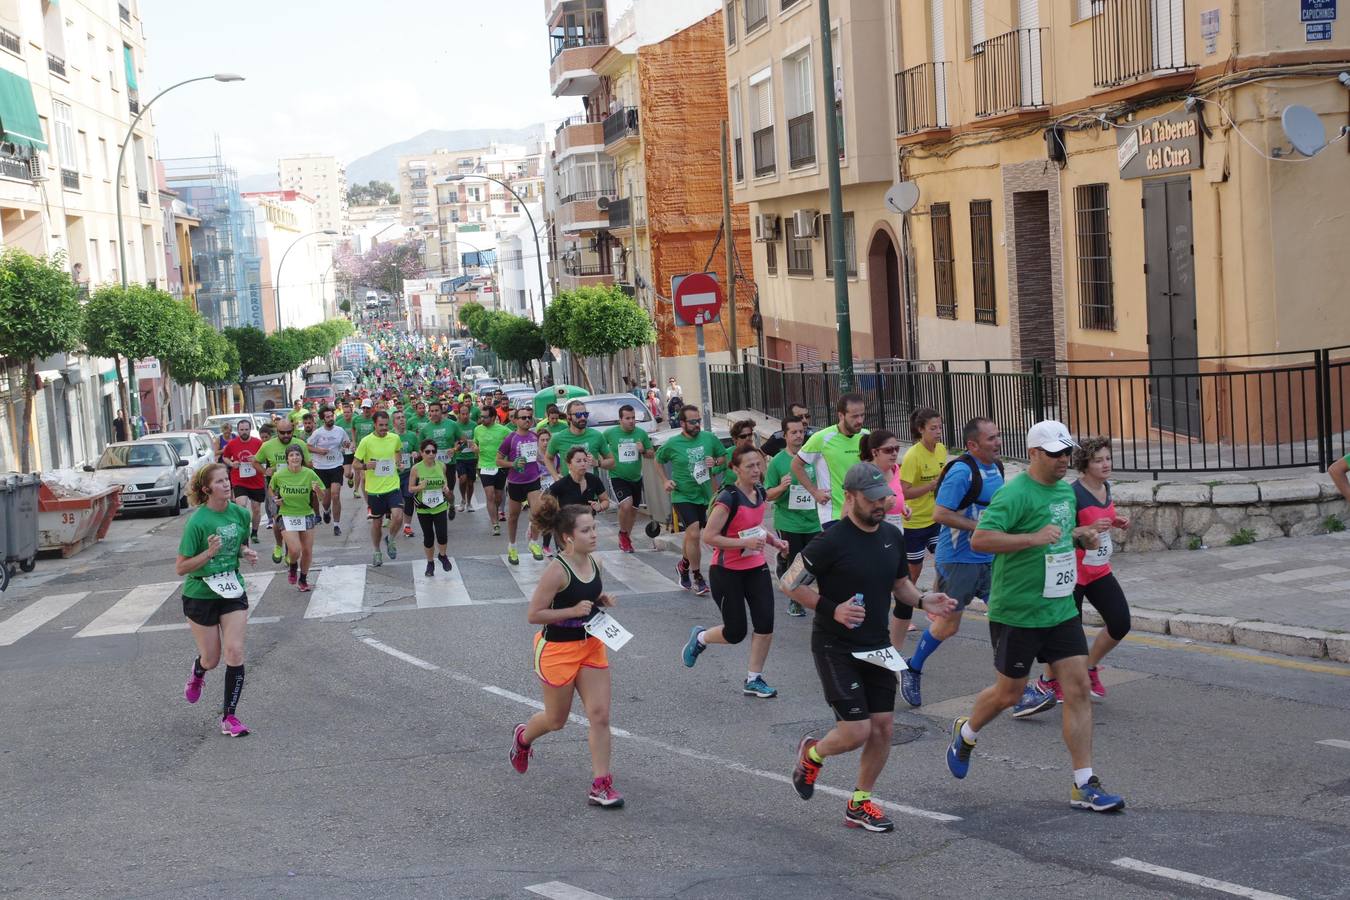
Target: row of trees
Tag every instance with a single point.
(372, 193)
(285, 350)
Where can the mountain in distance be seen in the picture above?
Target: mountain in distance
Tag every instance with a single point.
(382, 165)
(266, 181)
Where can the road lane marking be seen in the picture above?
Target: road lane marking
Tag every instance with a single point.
(339, 589)
(184, 626)
(1332, 742)
(256, 584)
(689, 753)
(1334, 587)
(35, 615)
(130, 613)
(526, 575)
(1227, 887)
(558, 890)
(442, 589)
(640, 577)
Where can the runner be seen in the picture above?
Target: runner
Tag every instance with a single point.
(220, 443)
(429, 485)
(742, 436)
(579, 486)
(882, 449)
(329, 445)
(519, 456)
(306, 426)
(629, 445)
(739, 573)
(488, 437)
(776, 442)
(344, 421)
(849, 575)
(919, 474)
(567, 659)
(552, 423)
(794, 513)
(964, 491)
(297, 412)
(214, 600)
(246, 478)
(466, 459)
(577, 433)
(272, 456)
(833, 450)
(300, 490)
(1029, 527)
(362, 426)
(691, 454)
(377, 459)
(408, 453)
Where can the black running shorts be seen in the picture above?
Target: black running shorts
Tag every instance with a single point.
(208, 612)
(1016, 650)
(854, 689)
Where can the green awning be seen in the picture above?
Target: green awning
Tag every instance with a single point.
(18, 114)
(131, 67)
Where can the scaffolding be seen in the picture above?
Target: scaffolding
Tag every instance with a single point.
(225, 248)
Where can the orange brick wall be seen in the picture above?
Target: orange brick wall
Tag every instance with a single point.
(683, 84)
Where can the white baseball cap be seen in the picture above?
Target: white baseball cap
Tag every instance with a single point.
(367, 402)
(1050, 435)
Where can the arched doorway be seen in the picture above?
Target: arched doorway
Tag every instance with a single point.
(883, 271)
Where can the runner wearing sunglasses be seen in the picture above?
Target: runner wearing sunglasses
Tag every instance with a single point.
(578, 434)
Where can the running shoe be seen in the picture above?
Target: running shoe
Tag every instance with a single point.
(501, 515)
(536, 551)
(304, 585)
(804, 774)
(682, 569)
(337, 531)
(253, 537)
(1094, 797)
(512, 556)
(378, 560)
(288, 561)
(795, 609)
(193, 691)
(293, 575)
(431, 568)
(867, 815)
(910, 681)
(700, 586)
(445, 563)
(603, 793)
(1034, 700)
(625, 542)
(232, 727)
(351, 482)
(758, 687)
(520, 751)
(1098, 689)
(1051, 686)
(692, 648)
(327, 516)
(450, 513)
(407, 531)
(390, 547)
(496, 530)
(958, 751)
(277, 553)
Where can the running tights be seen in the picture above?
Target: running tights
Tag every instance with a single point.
(1107, 598)
(735, 589)
(434, 525)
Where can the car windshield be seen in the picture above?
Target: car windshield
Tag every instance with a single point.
(319, 391)
(182, 444)
(132, 456)
(605, 410)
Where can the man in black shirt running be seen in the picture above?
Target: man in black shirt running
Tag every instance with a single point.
(848, 575)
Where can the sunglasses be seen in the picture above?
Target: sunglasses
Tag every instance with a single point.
(693, 421)
(525, 418)
(581, 415)
(744, 435)
(895, 449)
(1056, 454)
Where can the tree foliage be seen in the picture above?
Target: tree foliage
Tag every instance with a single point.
(518, 339)
(384, 267)
(468, 312)
(604, 320)
(558, 317)
(251, 346)
(132, 322)
(372, 194)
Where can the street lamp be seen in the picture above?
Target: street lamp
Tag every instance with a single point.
(276, 288)
(538, 247)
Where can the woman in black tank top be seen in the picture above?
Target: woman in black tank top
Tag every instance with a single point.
(567, 658)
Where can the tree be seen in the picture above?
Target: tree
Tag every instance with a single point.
(468, 312)
(599, 321)
(384, 267)
(132, 322)
(345, 305)
(483, 323)
(372, 194)
(40, 314)
(250, 346)
(205, 356)
(183, 356)
(518, 339)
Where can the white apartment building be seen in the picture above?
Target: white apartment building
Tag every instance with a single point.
(518, 260)
(300, 293)
(324, 179)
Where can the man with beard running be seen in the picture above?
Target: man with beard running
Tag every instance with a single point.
(328, 446)
(833, 451)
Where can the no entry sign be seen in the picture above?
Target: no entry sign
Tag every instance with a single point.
(697, 298)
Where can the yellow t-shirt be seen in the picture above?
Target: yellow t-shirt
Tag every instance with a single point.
(922, 467)
(376, 453)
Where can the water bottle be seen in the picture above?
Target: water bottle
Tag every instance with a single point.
(856, 600)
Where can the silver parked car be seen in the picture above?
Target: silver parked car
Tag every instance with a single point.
(191, 445)
(152, 474)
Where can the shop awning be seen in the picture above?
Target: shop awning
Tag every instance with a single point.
(18, 114)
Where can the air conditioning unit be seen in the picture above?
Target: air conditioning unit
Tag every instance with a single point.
(768, 227)
(602, 202)
(35, 167)
(804, 222)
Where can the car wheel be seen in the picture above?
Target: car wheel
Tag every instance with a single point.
(177, 506)
(28, 565)
(4, 577)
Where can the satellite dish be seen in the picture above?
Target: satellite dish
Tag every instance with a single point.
(902, 197)
(1303, 129)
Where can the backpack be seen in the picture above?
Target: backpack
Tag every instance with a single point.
(976, 479)
(735, 503)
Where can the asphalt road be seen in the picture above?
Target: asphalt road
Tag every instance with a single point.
(377, 764)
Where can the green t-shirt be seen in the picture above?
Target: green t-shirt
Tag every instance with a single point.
(839, 454)
(562, 441)
(626, 447)
(362, 426)
(489, 440)
(444, 433)
(410, 448)
(232, 527)
(552, 429)
(341, 421)
(296, 415)
(372, 448)
(1025, 583)
(272, 453)
(293, 489)
(792, 511)
(465, 434)
(691, 469)
(415, 422)
(432, 478)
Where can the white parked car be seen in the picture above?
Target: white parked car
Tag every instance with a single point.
(152, 474)
(191, 446)
(604, 410)
(473, 373)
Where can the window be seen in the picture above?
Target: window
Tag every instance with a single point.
(1096, 301)
(786, 4)
(1084, 9)
(976, 9)
(729, 13)
(797, 99)
(837, 58)
(756, 14)
(737, 144)
(84, 152)
(850, 246)
(103, 157)
(798, 250)
(982, 260)
(64, 130)
(761, 120)
(944, 282)
(771, 257)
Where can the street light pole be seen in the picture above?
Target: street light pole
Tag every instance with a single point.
(841, 314)
(276, 288)
(538, 248)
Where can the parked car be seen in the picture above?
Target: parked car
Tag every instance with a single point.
(519, 398)
(514, 387)
(152, 474)
(191, 446)
(604, 410)
(473, 373)
(483, 386)
(213, 423)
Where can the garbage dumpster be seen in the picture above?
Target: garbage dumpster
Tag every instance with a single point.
(18, 524)
(68, 522)
(559, 394)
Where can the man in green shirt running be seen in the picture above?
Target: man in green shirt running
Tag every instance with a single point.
(1029, 526)
(794, 509)
(344, 421)
(377, 458)
(629, 445)
(466, 458)
(487, 440)
(691, 455)
(578, 433)
(297, 413)
(272, 456)
(833, 451)
(445, 432)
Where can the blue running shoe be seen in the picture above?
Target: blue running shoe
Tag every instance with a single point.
(757, 687)
(1094, 797)
(958, 751)
(909, 686)
(692, 648)
(1034, 700)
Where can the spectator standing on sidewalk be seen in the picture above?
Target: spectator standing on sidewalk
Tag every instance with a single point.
(120, 426)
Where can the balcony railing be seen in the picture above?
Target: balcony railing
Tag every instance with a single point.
(578, 270)
(762, 145)
(1008, 72)
(801, 140)
(10, 167)
(620, 124)
(143, 197)
(56, 65)
(70, 179)
(586, 195)
(123, 13)
(1136, 39)
(133, 101)
(756, 14)
(626, 212)
(10, 41)
(571, 41)
(921, 98)
(583, 119)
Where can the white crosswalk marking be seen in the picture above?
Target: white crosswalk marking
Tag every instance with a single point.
(339, 589)
(632, 571)
(527, 574)
(132, 611)
(255, 585)
(35, 615)
(442, 589)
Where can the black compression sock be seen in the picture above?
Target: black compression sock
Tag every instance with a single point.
(234, 686)
(197, 669)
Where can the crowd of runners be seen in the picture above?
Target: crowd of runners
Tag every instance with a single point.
(853, 524)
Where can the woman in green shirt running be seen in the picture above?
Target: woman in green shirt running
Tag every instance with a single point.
(299, 490)
(429, 486)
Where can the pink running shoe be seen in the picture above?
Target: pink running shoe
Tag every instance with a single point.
(603, 793)
(1051, 687)
(520, 751)
(293, 574)
(1098, 689)
(501, 515)
(193, 691)
(232, 727)
(625, 542)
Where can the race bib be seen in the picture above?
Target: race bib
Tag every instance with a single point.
(896, 519)
(443, 456)
(331, 458)
(700, 472)
(488, 471)
(1102, 555)
(432, 498)
(384, 467)
(752, 533)
(1061, 572)
(246, 470)
(800, 498)
(529, 452)
(545, 483)
(226, 584)
(885, 657)
(609, 632)
(628, 452)
(295, 523)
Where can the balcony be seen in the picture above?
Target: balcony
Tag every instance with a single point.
(801, 140)
(56, 65)
(573, 275)
(756, 14)
(576, 132)
(1008, 72)
(1136, 39)
(12, 167)
(921, 98)
(134, 101)
(620, 126)
(10, 41)
(572, 71)
(627, 212)
(762, 144)
(124, 14)
(70, 179)
(578, 212)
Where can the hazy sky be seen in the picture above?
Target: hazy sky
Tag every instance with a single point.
(340, 76)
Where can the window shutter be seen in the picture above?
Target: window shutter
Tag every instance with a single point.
(935, 16)
(976, 22)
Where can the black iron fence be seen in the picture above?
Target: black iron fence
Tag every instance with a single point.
(921, 98)
(1268, 411)
(620, 124)
(1136, 38)
(1008, 74)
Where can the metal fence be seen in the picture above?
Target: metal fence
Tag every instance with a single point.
(1210, 414)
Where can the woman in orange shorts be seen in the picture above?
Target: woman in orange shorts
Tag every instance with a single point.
(566, 657)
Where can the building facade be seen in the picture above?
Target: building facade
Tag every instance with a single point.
(324, 179)
(300, 294)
